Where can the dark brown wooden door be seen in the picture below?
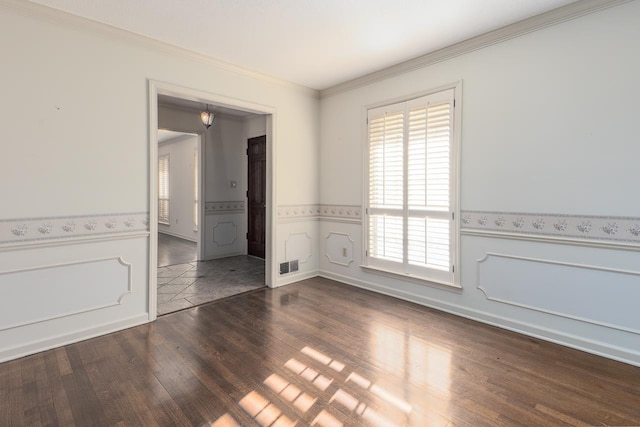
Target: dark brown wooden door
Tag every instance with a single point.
(257, 195)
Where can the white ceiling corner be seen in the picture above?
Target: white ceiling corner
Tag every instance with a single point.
(317, 44)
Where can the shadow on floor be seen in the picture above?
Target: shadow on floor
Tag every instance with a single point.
(187, 285)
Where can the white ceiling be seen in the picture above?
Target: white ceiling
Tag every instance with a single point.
(315, 43)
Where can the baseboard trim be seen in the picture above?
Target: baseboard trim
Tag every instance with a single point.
(296, 277)
(220, 256)
(71, 337)
(557, 337)
(179, 236)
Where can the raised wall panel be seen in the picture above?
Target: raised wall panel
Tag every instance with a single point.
(55, 293)
(42, 293)
(597, 295)
(298, 246)
(339, 248)
(225, 233)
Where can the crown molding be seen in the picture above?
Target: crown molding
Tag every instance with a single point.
(47, 14)
(517, 29)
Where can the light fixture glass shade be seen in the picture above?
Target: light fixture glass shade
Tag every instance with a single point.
(207, 118)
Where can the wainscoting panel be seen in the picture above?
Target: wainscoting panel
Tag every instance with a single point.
(339, 248)
(47, 292)
(225, 234)
(63, 292)
(298, 242)
(582, 292)
(298, 246)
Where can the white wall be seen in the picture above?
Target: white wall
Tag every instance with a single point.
(75, 170)
(181, 152)
(226, 215)
(549, 136)
(254, 126)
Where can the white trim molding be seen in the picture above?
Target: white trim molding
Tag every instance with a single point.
(553, 17)
(336, 213)
(35, 230)
(298, 212)
(221, 207)
(341, 213)
(586, 229)
(50, 342)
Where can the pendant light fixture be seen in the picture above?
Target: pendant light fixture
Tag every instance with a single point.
(207, 118)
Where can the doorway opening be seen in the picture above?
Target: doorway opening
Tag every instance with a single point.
(220, 201)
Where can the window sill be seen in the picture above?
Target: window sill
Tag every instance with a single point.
(413, 279)
(164, 223)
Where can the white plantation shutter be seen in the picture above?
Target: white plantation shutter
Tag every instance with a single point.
(386, 192)
(410, 228)
(163, 189)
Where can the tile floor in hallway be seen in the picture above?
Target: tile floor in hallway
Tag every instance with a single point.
(186, 285)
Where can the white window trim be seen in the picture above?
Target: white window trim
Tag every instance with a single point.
(455, 285)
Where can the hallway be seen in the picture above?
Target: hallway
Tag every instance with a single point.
(186, 285)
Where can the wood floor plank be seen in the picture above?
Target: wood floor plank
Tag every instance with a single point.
(316, 353)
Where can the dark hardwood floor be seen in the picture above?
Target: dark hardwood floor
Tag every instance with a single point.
(316, 353)
(173, 250)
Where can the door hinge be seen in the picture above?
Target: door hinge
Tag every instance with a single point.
(454, 103)
(366, 253)
(247, 151)
(453, 216)
(247, 236)
(453, 268)
(247, 194)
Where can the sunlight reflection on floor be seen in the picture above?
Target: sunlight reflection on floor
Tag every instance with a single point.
(300, 401)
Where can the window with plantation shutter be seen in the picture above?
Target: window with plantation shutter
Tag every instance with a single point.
(410, 211)
(163, 189)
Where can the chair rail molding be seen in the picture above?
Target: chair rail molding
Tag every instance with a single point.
(335, 213)
(20, 231)
(587, 230)
(223, 207)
